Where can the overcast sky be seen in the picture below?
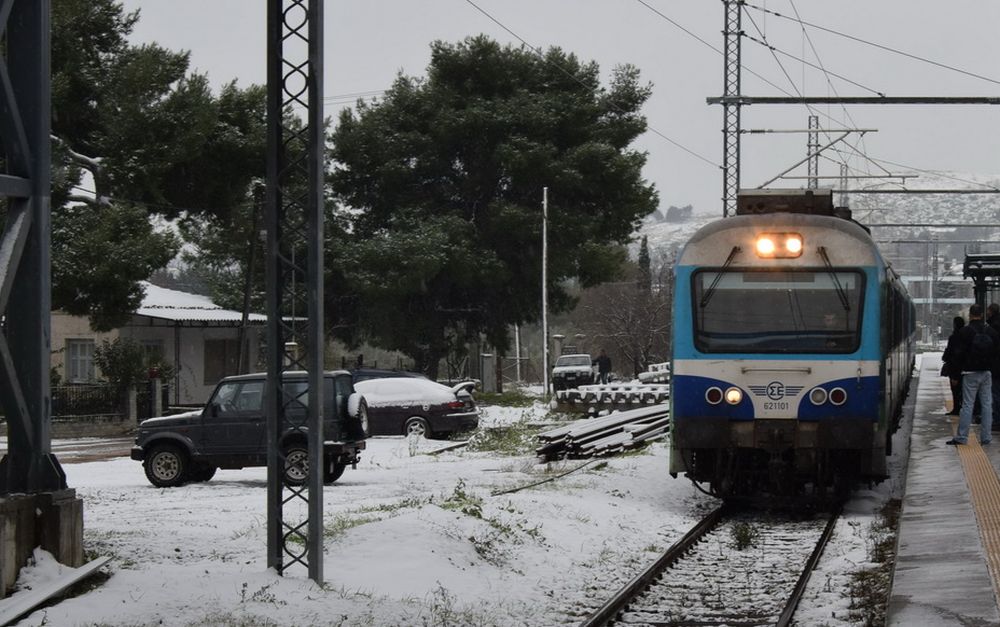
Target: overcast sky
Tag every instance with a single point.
(368, 42)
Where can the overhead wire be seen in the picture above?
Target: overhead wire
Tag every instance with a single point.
(701, 40)
(863, 152)
(791, 81)
(847, 114)
(541, 55)
(763, 78)
(777, 50)
(875, 45)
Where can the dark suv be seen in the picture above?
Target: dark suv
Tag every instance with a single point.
(231, 432)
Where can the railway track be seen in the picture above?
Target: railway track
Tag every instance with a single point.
(704, 579)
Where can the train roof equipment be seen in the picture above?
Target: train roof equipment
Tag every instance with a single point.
(817, 202)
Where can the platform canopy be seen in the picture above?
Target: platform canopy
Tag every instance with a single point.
(984, 270)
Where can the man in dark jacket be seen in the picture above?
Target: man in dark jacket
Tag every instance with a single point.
(993, 319)
(978, 347)
(603, 363)
(952, 369)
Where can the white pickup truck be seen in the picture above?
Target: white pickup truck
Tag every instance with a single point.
(572, 371)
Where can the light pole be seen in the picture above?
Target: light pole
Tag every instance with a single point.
(545, 296)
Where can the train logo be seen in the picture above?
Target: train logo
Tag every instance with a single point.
(776, 390)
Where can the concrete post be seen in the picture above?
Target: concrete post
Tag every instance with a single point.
(154, 383)
(557, 339)
(489, 374)
(131, 407)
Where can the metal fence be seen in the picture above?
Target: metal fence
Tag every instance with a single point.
(87, 403)
(101, 402)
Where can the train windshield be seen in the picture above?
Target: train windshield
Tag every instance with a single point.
(791, 311)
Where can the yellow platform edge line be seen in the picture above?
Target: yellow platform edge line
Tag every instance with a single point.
(985, 488)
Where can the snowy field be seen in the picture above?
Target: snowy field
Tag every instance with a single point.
(411, 539)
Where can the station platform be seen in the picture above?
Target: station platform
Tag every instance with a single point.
(948, 551)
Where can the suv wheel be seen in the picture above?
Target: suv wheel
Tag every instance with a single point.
(166, 466)
(203, 472)
(296, 465)
(417, 426)
(329, 476)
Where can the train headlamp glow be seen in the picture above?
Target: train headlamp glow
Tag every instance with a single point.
(778, 245)
(734, 396)
(765, 246)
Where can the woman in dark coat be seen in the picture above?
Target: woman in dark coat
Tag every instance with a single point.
(951, 368)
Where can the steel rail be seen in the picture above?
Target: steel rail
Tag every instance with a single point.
(640, 582)
(785, 618)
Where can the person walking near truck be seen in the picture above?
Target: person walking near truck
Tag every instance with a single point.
(603, 363)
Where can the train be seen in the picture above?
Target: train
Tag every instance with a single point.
(792, 351)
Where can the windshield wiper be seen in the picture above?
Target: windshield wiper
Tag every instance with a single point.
(718, 277)
(841, 293)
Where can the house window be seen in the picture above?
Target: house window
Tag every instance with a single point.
(221, 359)
(79, 361)
(152, 350)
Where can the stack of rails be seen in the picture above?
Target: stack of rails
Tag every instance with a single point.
(604, 436)
(589, 398)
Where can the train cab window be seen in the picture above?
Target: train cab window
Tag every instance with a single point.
(788, 311)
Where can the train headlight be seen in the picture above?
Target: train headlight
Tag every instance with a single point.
(713, 395)
(838, 396)
(765, 246)
(734, 396)
(817, 396)
(778, 245)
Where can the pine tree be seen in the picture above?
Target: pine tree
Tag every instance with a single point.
(444, 177)
(645, 272)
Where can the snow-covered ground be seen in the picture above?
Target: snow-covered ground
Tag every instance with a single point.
(411, 539)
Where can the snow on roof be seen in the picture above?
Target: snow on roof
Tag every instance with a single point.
(175, 305)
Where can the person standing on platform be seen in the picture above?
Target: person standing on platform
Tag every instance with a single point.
(993, 319)
(978, 345)
(952, 369)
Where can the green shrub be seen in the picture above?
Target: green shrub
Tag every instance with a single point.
(510, 398)
(514, 439)
(745, 535)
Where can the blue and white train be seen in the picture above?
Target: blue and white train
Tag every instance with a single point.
(792, 350)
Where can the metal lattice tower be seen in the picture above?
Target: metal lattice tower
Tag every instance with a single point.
(814, 151)
(731, 110)
(25, 276)
(295, 276)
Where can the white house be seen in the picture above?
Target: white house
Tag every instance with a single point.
(187, 330)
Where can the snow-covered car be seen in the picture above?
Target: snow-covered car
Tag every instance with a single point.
(410, 405)
(363, 374)
(231, 432)
(572, 371)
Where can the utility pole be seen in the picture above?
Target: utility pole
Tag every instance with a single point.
(545, 290)
(517, 352)
(258, 200)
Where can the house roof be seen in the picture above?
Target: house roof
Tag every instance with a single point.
(178, 306)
